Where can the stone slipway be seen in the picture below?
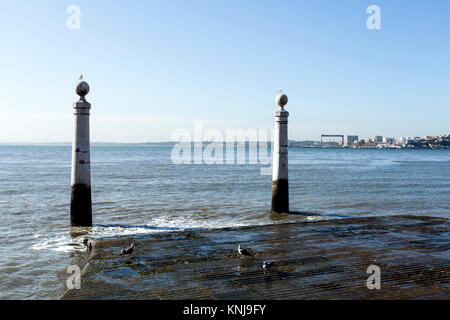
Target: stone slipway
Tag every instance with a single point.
(320, 260)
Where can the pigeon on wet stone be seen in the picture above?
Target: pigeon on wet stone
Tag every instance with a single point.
(128, 250)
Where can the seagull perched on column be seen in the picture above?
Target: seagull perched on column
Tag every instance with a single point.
(244, 252)
(128, 250)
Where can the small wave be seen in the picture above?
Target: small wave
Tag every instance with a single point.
(314, 219)
(383, 162)
(67, 241)
(59, 243)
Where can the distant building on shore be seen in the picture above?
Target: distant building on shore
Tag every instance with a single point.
(378, 139)
(350, 140)
(389, 140)
(427, 142)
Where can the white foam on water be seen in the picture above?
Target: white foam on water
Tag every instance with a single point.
(61, 242)
(64, 242)
(315, 218)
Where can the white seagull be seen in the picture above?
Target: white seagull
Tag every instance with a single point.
(128, 250)
(244, 252)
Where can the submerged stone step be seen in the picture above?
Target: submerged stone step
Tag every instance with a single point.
(319, 260)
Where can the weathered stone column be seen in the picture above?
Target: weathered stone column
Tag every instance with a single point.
(280, 184)
(80, 198)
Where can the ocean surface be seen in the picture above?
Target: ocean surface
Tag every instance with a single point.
(139, 190)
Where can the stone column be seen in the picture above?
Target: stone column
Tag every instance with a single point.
(280, 185)
(80, 198)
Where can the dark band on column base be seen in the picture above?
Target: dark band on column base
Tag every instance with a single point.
(280, 196)
(80, 206)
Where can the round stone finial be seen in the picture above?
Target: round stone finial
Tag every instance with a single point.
(281, 99)
(81, 87)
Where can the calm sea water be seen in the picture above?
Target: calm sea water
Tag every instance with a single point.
(137, 189)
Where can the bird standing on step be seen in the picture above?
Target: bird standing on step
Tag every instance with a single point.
(267, 265)
(244, 252)
(128, 250)
(87, 243)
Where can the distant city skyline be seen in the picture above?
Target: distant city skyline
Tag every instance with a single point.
(317, 139)
(155, 67)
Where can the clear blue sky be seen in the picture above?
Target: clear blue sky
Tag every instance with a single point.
(154, 66)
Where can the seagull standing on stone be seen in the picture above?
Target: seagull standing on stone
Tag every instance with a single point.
(244, 252)
(267, 265)
(128, 250)
(87, 243)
